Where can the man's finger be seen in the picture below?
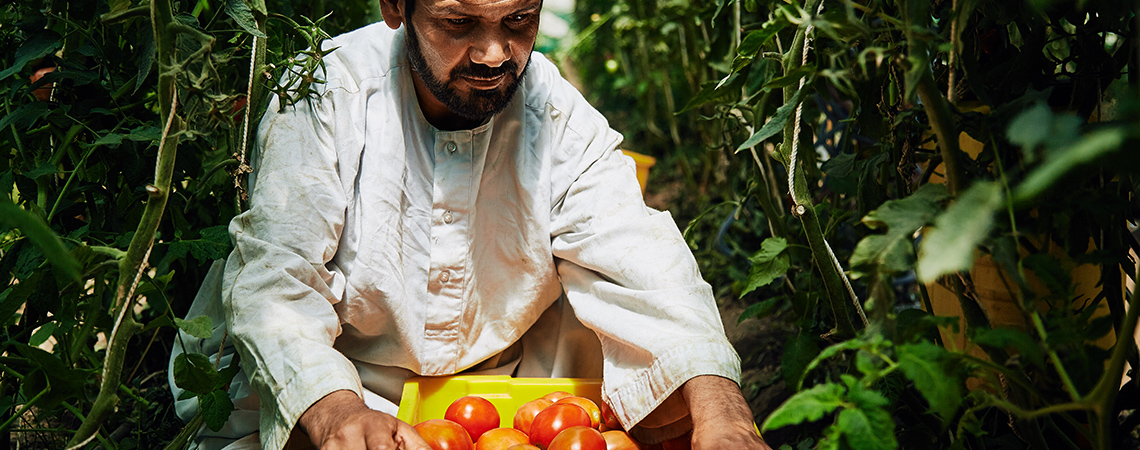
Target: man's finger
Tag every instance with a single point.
(409, 439)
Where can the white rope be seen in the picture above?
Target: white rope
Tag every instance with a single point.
(792, 165)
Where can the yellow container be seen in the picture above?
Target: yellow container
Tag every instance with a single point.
(428, 397)
(643, 162)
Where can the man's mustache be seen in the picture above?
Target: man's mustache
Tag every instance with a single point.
(484, 71)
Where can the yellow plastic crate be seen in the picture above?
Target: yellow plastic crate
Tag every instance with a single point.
(428, 397)
(643, 162)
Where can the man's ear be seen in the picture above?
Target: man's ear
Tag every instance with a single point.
(393, 12)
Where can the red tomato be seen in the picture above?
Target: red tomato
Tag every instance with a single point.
(555, 418)
(589, 406)
(42, 93)
(525, 414)
(557, 395)
(501, 439)
(442, 434)
(620, 440)
(476, 414)
(608, 417)
(523, 447)
(578, 438)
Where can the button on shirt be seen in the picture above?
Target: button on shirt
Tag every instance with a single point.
(374, 239)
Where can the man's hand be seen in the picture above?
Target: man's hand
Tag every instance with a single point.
(341, 421)
(721, 418)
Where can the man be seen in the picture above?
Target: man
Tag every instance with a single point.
(438, 208)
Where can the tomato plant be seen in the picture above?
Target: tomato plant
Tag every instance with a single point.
(477, 415)
(443, 434)
(578, 438)
(555, 418)
(500, 439)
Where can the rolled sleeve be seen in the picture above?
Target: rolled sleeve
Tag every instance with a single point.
(279, 292)
(631, 278)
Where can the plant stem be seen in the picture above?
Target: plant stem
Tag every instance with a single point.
(836, 292)
(134, 262)
(920, 78)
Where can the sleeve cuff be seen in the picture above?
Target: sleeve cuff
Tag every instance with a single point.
(280, 414)
(639, 392)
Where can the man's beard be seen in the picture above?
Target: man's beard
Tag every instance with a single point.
(480, 104)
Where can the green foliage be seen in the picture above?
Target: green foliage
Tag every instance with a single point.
(933, 135)
(85, 152)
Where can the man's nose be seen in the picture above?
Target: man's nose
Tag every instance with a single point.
(492, 50)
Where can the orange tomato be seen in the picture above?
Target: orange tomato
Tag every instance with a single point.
(557, 395)
(578, 438)
(525, 414)
(620, 440)
(42, 93)
(442, 434)
(501, 439)
(523, 447)
(589, 406)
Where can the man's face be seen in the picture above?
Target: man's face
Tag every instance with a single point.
(471, 54)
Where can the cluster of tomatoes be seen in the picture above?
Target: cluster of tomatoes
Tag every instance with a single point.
(555, 421)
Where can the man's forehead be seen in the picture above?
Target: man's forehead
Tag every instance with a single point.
(475, 6)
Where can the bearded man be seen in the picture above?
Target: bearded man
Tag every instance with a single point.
(446, 204)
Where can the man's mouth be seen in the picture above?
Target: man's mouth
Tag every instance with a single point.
(485, 82)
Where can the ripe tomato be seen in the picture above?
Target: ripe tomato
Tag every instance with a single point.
(501, 439)
(620, 440)
(442, 434)
(578, 438)
(475, 414)
(555, 418)
(525, 414)
(589, 406)
(523, 447)
(609, 419)
(42, 93)
(557, 395)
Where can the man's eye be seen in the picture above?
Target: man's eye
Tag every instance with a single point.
(518, 18)
(458, 22)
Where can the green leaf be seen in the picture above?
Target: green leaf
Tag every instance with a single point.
(216, 408)
(759, 309)
(119, 5)
(768, 264)
(1089, 148)
(867, 429)
(775, 124)
(715, 92)
(25, 115)
(925, 364)
(239, 11)
(41, 335)
(161, 321)
(45, 239)
(39, 45)
(799, 351)
(949, 247)
(200, 327)
(755, 40)
(791, 78)
(47, 168)
(805, 406)
(195, 372)
(1004, 338)
(893, 252)
(1026, 131)
(213, 244)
